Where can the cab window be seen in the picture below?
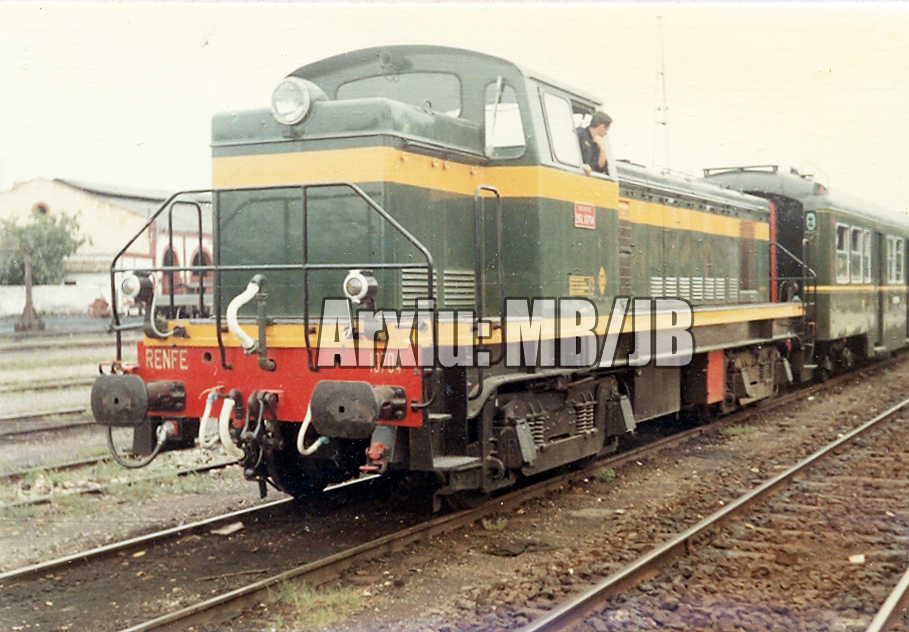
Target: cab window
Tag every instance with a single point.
(563, 139)
(503, 129)
(435, 91)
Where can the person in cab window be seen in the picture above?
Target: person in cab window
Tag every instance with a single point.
(593, 143)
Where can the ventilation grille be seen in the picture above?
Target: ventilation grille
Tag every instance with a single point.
(709, 285)
(414, 286)
(685, 288)
(697, 289)
(459, 288)
(656, 286)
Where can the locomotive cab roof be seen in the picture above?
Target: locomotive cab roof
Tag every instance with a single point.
(432, 96)
(390, 61)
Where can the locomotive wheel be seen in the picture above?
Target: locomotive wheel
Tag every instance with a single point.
(825, 369)
(847, 359)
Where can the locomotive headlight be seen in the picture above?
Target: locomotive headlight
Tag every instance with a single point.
(360, 286)
(291, 100)
(137, 286)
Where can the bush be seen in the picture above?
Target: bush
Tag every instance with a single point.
(49, 238)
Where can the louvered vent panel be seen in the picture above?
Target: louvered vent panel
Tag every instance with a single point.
(720, 290)
(685, 288)
(459, 288)
(656, 286)
(697, 288)
(414, 286)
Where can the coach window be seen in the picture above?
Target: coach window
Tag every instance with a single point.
(855, 264)
(842, 254)
(866, 256)
(562, 137)
(503, 129)
(900, 259)
(895, 254)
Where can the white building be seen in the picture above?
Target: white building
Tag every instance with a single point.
(109, 217)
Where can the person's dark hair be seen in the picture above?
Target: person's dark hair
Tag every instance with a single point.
(600, 118)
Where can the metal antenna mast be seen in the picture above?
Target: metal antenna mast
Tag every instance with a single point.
(662, 121)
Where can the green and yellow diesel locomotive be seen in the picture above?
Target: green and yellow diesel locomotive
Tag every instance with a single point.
(402, 268)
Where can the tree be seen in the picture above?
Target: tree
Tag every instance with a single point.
(47, 239)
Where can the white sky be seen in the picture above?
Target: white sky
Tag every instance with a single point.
(123, 94)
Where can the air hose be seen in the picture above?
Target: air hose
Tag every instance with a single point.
(161, 433)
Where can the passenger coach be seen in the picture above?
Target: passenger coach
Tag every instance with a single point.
(855, 262)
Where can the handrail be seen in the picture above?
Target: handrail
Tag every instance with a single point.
(480, 264)
(794, 258)
(216, 268)
(808, 280)
(151, 221)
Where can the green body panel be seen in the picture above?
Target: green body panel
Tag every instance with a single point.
(703, 269)
(872, 310)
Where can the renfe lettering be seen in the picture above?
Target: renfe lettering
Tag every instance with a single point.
(166, 359)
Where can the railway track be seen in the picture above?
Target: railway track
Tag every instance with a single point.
(234, 595)
(52, 573)
(822, 541)
(70, 341)
(17, 425)
(100, 489)
(16, 475)
(44, 581)
(46, 385)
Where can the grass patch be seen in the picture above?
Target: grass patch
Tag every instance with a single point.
(128, 485)
(91, 452)
(314, 609)
(15, 516)
(604, 475)
(169, 482)
(738, 430)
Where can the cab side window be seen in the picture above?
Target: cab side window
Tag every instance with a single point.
(563, 139)
(503, 129)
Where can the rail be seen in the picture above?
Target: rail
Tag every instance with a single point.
(573, 612)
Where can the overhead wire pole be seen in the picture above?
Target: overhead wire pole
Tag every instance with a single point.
(662, 110)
